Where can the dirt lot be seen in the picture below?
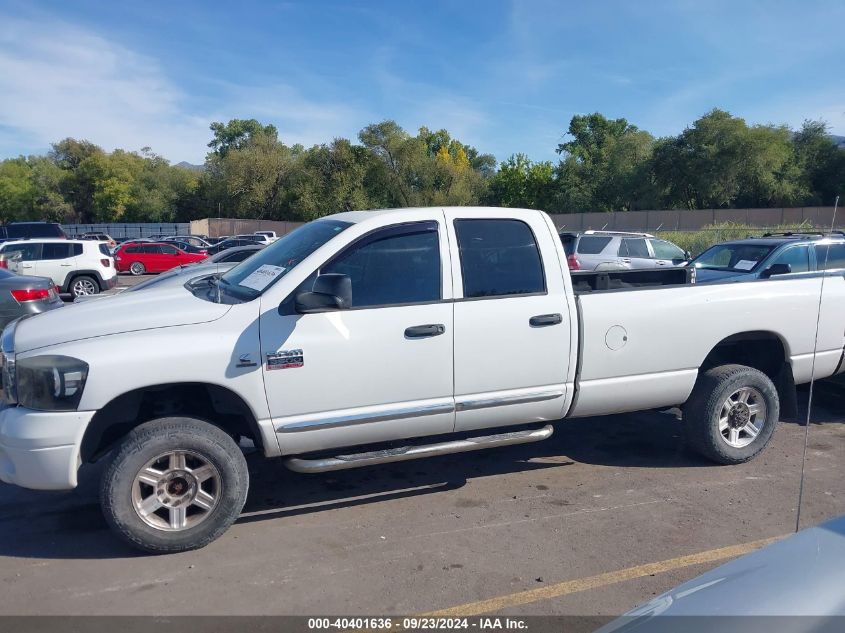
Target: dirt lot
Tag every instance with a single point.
(602, 495)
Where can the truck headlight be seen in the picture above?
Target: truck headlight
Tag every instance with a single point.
(50, 383)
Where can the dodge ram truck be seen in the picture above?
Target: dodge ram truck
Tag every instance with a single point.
(379, 336)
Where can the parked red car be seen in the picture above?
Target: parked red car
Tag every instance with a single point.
(152, 257)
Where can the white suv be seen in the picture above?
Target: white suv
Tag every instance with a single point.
(78, 267)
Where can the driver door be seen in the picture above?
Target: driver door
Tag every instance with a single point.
(377, 371)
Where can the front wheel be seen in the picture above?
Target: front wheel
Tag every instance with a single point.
(174, 484)
(731, 414)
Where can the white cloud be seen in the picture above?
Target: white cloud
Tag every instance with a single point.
(59, 80)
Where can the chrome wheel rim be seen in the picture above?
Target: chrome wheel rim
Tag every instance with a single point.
(742, 417)
(176, 491)
(136, 269)
(83, 287)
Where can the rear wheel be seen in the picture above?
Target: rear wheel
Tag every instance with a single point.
(137, 268)
(174, 484)
(731, 414)
(83, 286)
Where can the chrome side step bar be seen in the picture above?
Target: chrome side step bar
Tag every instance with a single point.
(357, 460)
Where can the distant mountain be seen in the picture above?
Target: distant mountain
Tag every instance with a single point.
(189, 166)
(839, 140)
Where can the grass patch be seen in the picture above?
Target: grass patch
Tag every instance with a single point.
(697, 241)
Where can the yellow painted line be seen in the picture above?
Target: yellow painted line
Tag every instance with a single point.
(578, 585)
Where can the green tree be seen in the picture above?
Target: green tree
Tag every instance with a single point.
(522, 183)
(237, 133)
(17, 190)
(606, 166)
(821, 163)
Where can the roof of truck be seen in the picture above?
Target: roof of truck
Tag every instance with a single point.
(359, 216)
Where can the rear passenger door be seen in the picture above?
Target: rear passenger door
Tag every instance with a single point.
(512, 328)
(633, 252)
(152, 258)
(56, 261)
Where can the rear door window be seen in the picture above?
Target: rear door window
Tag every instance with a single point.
(634, 247)
(52, 250)
(593, 244)
(499, 258)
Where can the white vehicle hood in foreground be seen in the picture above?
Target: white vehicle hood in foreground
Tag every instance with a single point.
(127, 312)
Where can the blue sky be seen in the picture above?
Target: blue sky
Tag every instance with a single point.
(503, 76)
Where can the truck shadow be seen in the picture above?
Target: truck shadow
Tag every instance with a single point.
(60, 525)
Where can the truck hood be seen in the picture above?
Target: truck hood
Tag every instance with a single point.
(126, 312)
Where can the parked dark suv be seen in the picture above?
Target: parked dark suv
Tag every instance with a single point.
(773, 254)
(28, 230)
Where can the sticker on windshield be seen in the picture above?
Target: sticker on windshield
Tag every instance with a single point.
(745, 264)
(261, 277)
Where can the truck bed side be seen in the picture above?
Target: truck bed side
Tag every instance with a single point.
(642, 348)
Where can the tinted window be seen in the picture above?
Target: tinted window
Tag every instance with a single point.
(399, 267)
(132, 250)
(833, 254)
(592, 244)
(797, 257)
(666, 250)
(103, 249)
(499, 257)
(29, 252)
(51, 250)
(633, 247)
(151, 249)
(34, 230)
(169, 250)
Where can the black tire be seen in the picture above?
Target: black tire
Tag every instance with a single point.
(705, 405)
(199, 440)
(137, 268)
(84, 285)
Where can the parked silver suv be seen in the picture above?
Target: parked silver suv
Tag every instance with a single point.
(617, 250)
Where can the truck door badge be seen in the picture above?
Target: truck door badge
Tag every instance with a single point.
(285, 359)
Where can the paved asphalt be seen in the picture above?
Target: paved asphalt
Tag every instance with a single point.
(603, 494)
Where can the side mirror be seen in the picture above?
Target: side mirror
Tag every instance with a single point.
(776, 269)
(687, 255)
(331, 291)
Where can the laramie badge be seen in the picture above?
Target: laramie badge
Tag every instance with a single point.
(285, 359)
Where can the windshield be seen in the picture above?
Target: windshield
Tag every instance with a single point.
(254, 275)
(742, 258)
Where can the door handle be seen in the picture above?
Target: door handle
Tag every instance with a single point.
(424, 331)
(65, 264)
(542, 320)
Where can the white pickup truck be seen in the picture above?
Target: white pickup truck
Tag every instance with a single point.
(378, 336)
